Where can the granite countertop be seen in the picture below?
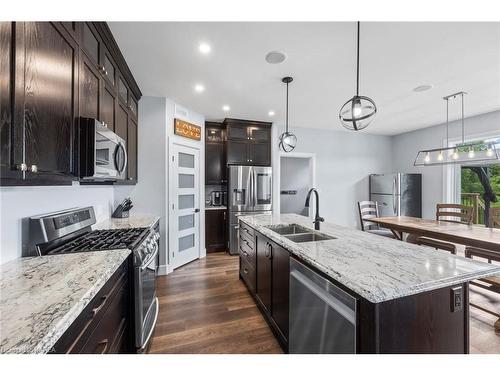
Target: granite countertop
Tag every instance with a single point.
(41, 296)
(215, 208)
(377, 268)
(134, 221)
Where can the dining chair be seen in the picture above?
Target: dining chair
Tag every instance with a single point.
(494, 221)
(491, 283)
(453, 213)
(369, 210)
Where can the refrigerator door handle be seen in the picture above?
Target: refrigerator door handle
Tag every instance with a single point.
(255, 200)
(394, 196)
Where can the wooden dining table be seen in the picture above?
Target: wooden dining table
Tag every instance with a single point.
(468, 235)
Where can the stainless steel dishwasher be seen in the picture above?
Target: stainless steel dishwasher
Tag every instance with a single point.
(322, 316)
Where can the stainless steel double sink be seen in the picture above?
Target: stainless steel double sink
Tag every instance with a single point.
(298, 233)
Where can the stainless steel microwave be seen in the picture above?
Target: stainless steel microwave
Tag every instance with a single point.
(102, 153)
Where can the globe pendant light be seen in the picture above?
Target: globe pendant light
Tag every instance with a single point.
(357, 113)
(288, 140)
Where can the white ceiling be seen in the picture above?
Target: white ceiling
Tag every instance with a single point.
(395, 58)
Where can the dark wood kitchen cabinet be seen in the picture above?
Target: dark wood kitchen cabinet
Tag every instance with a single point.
(216, 230)
(215, 154)
(53, 73)
(105, 324)
(248, 142)
(42, 108)
(272, 274)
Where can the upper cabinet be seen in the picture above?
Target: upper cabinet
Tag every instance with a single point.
(215, 154)
(248, 142)
(53, 73)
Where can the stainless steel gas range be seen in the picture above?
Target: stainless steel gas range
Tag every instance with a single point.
(70, 231)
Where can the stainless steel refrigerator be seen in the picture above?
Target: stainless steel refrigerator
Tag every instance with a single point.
(397, 194)
(249, 193)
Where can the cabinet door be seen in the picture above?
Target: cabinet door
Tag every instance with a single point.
(237, 132)
(214, 155)
(11, 136)
(108, 106)
(213, 133)
(215, 230)
(280, 287)
(132, 105)
(91, 43)
(49, 105)
(121, 121)
(260, 133)
(132, 150)
(237, 152)
(259, 153)
(90, 93)
(264, 272)
(107, 64)
(123, 90)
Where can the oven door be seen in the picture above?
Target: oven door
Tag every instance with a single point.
(146, 303)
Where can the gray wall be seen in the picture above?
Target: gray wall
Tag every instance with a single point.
(20, 202)
(405, 147)
(343, 162)
(294, 175)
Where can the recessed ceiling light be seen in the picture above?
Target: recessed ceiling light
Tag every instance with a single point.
(204, 48)
(422, 88)
(225, 108)
(199, 88)
(271, 113)
(275, 57)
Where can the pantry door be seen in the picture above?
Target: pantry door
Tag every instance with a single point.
(184, 202)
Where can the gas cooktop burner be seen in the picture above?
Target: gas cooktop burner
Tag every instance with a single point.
(110, 239)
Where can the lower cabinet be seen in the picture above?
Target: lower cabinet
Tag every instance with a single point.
(272, 285)
(104, 326)
(215, 230)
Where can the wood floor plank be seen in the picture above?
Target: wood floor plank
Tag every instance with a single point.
(205, 308)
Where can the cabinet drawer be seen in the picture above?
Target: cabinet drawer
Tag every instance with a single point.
(247, 273)
(75, 337)
(248, 239)
(247, 253)
(107, 334)
(246, 230)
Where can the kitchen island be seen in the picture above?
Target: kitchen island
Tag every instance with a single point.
(396, 297)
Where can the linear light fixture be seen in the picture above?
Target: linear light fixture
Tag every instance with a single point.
(464, 153)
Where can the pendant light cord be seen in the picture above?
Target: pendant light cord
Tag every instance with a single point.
(287, 107)
(447, 123)
(463, 128)
(357, 66)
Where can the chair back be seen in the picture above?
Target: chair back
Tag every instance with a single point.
(368, 210)
(454, 213)
(494, 221)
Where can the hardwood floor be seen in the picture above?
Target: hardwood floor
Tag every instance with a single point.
(205, 308)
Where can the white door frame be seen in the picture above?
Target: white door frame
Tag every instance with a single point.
(169, 183)
(452, 176)
(312, 172)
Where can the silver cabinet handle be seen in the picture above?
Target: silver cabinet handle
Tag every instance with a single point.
(34, 168)
(22, 167)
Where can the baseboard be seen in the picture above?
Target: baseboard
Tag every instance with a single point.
(164, 270)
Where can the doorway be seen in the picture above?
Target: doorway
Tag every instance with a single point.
(297, 176)
(184, 204)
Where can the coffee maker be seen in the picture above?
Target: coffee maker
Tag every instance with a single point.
(218, 198)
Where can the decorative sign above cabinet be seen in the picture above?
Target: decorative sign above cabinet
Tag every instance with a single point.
(186, 129)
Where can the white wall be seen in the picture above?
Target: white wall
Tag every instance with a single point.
(343, 162)
(405, 148)
(17, 203)
(150, 195)
(294, 175)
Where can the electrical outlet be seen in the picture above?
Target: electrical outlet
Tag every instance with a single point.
(456, 299)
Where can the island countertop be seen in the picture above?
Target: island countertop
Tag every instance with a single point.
(41, 296)
(376, 268)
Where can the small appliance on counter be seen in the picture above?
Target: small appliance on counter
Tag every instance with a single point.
(218, 198)
(123, 209)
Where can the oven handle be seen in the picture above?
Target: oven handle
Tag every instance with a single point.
(151, 258)
(152, 325)
(120, 145)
